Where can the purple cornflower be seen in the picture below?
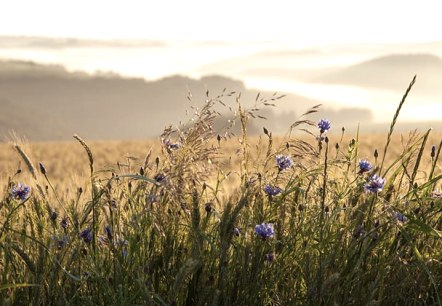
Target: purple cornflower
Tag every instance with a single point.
(171, 145)
(64, 223)
(123, 244)
(272, 190)
(108, 231)
(60, 242)
(284, 162)
(20, 191)
(400, 217)
(324, 125)
(86, 235)
(375, 184)
(436, 194)
(253, 179)
(265, 230)
(270, 257)
(364, 166)
(152, 198)
(54, 215)
(237, 231)
(160, 178)
(359, 232)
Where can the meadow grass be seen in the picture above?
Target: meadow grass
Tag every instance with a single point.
(296, 220)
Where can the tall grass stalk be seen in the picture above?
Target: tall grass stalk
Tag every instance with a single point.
(393, 122)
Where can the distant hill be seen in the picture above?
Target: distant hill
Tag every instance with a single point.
(28, 121)
(45, 102)
(391, 72)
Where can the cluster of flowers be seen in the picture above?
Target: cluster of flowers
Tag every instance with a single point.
(87, 237)
(375, 183)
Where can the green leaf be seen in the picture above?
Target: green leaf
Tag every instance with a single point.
(139, 177)
(420, 226)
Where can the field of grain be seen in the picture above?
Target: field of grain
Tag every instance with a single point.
(67, 163)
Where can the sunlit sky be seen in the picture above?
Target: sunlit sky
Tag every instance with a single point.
(302, 23)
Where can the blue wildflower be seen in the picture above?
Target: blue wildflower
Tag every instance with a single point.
(375, 184)
(160, 178)
(324, 125)
(20, 191)
(359, 232)
(64, 223)
(284, 162)
(271, 190)
(123, 243)
(400, 217)
(53, 215)
(86, 235)
(265, 230)
(436, 194)
(60, 242)
(152, 198)
(108, 231)
(171, 145)
(237, 231)
(270, 257)
(364, 166)
(253, 179)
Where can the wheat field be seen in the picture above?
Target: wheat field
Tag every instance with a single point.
(67, 165)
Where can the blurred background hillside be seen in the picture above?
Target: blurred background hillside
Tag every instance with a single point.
(129, 79)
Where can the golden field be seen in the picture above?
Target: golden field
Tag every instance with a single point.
(67, 162)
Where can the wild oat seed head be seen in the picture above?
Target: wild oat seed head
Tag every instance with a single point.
(433, 151)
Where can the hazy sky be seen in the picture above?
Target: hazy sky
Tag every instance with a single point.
(301, 23)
